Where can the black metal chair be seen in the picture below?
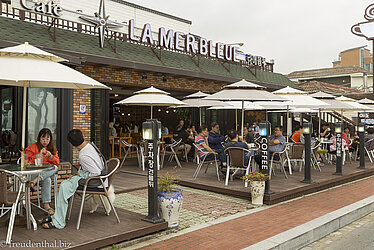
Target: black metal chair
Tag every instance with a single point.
(235, 161)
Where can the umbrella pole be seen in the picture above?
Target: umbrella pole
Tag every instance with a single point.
(200, 115)
(151, 111)
(319, 123)
(242, 117)
(288, 123)
(341, 118)
(23, 123)
(236, 119)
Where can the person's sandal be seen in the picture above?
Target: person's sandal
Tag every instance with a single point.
(50, 211)
(49, 224)
(45, 220)
(32, 186)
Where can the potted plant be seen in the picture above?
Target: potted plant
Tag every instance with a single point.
(170, 199)
(257, 185)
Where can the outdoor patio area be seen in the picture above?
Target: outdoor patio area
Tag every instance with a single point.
(284, 189)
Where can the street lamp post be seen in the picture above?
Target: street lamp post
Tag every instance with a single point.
(264, 132)
(361, 133)
(152, 133)
(339, 143)
(307, 131)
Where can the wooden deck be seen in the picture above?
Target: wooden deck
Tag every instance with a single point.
(96, 230)
(284, 189)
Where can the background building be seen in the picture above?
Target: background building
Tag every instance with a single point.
(359, 56)
(348, 76)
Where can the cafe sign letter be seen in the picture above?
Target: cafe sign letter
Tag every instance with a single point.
(49, 8)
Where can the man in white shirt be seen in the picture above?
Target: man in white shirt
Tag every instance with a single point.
(92, 164)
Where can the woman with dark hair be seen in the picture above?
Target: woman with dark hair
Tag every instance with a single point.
(46, 147)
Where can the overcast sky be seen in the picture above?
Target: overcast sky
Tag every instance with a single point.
(297, 34)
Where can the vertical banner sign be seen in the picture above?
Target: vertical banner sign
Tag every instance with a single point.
(265, 154)
(264, 133)
(307, 131)
(151, 164)
(151, 134)
(361, 133)
(339, 143)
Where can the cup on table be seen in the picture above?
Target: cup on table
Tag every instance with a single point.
(39, 160)
(25, 159)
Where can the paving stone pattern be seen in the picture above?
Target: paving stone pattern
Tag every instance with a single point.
(198, 207)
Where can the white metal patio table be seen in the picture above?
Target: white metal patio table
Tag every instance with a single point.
(27, 172)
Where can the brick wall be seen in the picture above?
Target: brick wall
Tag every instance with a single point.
(81, 121)
(130, 77)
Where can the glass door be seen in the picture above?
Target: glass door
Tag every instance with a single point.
(42, 113)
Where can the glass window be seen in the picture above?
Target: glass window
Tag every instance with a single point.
(7, 109)
(42, 112)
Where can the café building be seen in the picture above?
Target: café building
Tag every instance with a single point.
(126, 47)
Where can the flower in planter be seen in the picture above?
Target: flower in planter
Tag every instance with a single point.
(166, 182)
(255, 176)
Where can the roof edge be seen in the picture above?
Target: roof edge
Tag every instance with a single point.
(153, 11)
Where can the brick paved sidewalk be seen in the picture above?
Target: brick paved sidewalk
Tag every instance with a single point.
(198, 207)
(250, 229)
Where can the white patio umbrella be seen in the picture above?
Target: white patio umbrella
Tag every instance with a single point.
(369, 103)
(29, 67)
(335, 105)
(195, 101)
(352, 102)
(299, 99)
(366, 101)
(151, 97)
(244, 91)
(237, 105)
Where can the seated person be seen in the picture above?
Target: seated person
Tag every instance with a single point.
(248, 138)
(234, 142)
(276, 144)
(92, 164)
(215, 139)
(369, 137)
(347, 141)
(298, 135)
(353, 138)
(332, 148)
(255, 128)
(325, 131)
(112, 130)
(164, 130)
(201, 142)
(44, 146)
(186, 138)
(193, 130)
(180, 127)
(118, 128)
